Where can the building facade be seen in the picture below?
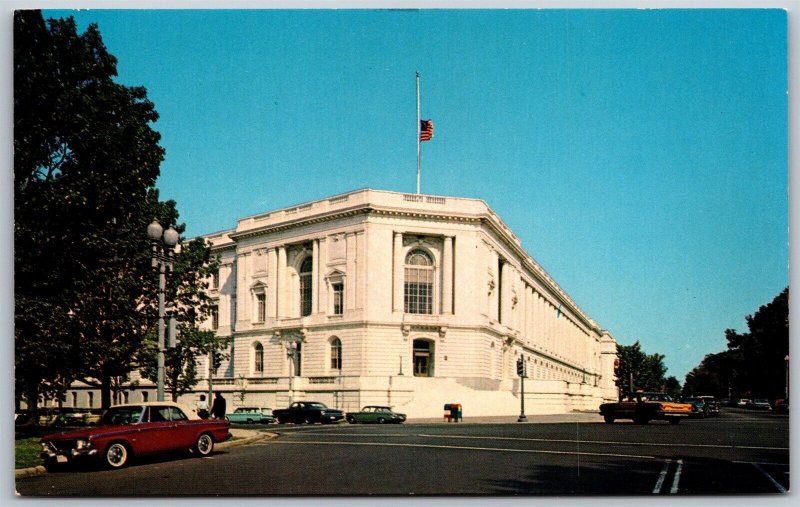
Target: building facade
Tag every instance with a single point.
(408, 300)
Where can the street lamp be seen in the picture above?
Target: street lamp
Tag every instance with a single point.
(163, 244)
(291, 353)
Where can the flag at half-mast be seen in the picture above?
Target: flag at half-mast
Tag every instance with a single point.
(425, 130)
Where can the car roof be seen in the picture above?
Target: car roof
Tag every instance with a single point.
(190, 413)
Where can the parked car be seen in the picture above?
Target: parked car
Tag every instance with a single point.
(743, 402)
(251, 415)
(712, 405)
(760, 404)
(643, 407)
(375, 414)
(781, 406)
(308, 412)
(126, 431)
(701, 409)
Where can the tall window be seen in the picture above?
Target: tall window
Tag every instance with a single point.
(91, 400)
(259, 358)
(261, 307)
(336, 354)
(145, 396)
(215, 317)
(419, 283)
(306, 270)
(74, 399)
(423, 358)
(338, 298)
(215, 280)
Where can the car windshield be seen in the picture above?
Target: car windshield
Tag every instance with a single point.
(121, 415)
(317, 405)
(763, 402)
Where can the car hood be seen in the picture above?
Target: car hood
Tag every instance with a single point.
(85, 433)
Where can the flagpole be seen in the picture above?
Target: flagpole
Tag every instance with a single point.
(418, 134)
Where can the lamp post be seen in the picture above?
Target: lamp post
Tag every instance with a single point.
(291, 353)
(163, 244)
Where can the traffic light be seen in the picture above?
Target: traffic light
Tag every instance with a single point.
(520, 367)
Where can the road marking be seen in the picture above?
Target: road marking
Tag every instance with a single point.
(601, 442)
(775, 483)
(677, 478)
(661, 477)
(460, 447)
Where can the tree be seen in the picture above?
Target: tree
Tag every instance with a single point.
(754, 364)
(86, 159)
(638, 370)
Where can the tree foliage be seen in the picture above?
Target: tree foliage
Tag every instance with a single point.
(754, 363)
(641, 371)
(86, 159)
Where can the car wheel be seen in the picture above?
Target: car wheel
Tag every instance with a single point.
(204, 445)
(675, 420)
(117, 455)
(350, 419)
(609, 419)
(306, 420)
(51, 465)
(249, 421)
(381, 420)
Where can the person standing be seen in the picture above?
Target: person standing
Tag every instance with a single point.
(219, 408)
(202, 407)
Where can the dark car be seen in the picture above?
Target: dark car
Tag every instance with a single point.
(375, 414)
(127, 431)
(308, 412)
(700, 407)
(760, 404)
(712, 405)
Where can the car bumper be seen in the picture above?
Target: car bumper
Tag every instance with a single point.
(64, 456)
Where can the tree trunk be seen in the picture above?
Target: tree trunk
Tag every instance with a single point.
(105, 391)
(33, 404)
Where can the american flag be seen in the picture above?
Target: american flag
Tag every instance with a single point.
(425, 130)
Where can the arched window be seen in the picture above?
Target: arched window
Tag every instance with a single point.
(336, 354)
(306, 270)
(418, 295)
(258, 356)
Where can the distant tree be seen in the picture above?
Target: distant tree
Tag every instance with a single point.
(638, 370)
(672, 387)
(754, 364)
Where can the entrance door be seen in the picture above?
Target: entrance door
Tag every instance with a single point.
(423, 358)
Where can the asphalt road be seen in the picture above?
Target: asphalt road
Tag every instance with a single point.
(737, 453)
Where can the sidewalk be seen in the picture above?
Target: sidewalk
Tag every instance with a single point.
(576, 417)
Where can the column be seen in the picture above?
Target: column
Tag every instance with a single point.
(447, 276)
(282, 294)
(494, 260)
(272, 272)
(350, 263)
(398, 273)
(323, 289)
(315, 276)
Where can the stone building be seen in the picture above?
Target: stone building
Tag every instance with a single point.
(414, 301)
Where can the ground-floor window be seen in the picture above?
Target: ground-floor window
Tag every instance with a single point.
(423, 358)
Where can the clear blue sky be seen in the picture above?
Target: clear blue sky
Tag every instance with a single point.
(640, 155)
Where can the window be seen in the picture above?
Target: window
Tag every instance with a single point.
(418, 295)
(338, 298)
(215, 280)
(261, 307)
(336, 354)
(125, 397)
(145, 395)
(215, 317)
(259, 358)
(74, 399)
(306, 270)
(91, 400)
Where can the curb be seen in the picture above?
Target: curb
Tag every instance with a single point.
(39, 470)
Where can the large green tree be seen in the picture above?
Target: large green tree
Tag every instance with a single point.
(86, 159)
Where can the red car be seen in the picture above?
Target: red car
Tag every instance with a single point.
(125, 431)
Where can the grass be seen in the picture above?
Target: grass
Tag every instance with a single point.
(27, 452)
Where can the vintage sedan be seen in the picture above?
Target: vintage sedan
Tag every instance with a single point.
(644, 407)
(375, 414)
(126, 431)
(251, 415)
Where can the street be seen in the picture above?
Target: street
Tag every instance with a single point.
(735, 453)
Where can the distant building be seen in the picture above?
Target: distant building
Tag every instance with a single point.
(414, 301)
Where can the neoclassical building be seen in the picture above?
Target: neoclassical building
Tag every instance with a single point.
(414, 301)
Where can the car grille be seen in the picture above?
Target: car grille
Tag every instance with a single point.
(62, 445)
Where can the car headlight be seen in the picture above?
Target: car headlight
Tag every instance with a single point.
(82, 444)
(322, 413)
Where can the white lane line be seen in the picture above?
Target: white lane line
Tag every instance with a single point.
(602, 442)
(661, 477)
(460, 447)
(677, 478)
(775, 483)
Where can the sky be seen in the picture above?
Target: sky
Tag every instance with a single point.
(639, 155)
